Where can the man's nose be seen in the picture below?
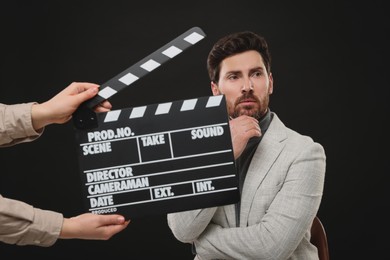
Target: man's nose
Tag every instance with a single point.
(247, 85)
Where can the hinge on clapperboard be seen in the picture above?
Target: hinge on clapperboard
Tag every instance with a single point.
(85, 117)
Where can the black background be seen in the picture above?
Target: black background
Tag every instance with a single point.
(330, 82)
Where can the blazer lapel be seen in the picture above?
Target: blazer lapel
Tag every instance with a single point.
(266, 153)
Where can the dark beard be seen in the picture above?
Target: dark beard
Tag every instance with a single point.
(248, 110)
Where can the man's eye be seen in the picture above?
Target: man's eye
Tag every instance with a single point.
(257, 74)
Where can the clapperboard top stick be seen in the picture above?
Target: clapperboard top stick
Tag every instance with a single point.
(85, 117)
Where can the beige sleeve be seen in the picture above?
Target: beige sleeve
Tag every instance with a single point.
(16, 125)
(22, 224)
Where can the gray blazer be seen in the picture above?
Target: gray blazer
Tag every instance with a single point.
(281, 196)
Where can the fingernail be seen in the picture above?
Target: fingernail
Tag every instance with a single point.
(94, 90)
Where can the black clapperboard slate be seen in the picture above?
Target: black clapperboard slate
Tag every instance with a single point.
(157, 158)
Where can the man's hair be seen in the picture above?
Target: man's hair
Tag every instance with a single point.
(234, 44)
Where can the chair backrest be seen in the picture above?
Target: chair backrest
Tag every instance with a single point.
(319, 239)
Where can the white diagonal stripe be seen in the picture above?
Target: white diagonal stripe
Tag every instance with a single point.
(214, 101)
(128, 78)
(112, 116)
(194, 38)
(150, 65)
(188, 104)
(107, 92)
(172, 51)
(138, 112)
(163, 108)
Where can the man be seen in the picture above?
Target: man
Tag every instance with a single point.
(281, 172)
(21, 223)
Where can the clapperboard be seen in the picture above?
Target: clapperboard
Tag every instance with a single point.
(157, 158)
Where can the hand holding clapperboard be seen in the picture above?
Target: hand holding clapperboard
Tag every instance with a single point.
(158, 158)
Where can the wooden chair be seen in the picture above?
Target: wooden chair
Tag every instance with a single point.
(319, 239)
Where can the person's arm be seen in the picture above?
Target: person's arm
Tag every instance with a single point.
(25, 122)
(285, 222)
(187, 226)
(22, 224)
(16, 124)
(59, 109)
(93, 226)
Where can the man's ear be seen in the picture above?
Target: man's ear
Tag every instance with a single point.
(271, 84)
(214, 88)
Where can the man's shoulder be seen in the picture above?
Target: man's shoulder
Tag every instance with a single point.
(290, 135)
